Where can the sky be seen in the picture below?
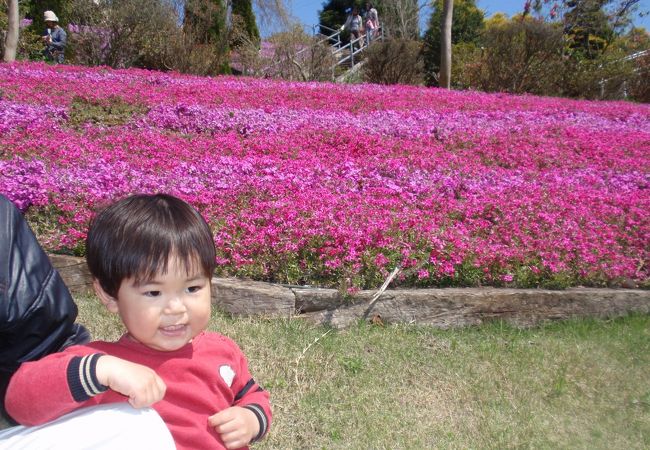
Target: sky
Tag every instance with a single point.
(306, 11)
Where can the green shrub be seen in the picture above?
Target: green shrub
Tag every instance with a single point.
(30, 45)
(517, 56)
(525, 55)
(396, 61)
(124, 33)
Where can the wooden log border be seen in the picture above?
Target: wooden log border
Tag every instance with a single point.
(442, 308)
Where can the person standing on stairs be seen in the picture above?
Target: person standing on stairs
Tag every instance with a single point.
(371, 22)
(354, 24)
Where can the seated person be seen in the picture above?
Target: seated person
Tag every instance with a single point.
(54, 38)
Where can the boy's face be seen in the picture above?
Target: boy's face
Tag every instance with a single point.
(166, 312)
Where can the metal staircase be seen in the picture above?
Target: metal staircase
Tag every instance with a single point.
(347, 57)
(623, 86)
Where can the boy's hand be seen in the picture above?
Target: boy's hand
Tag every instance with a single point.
(237, 426)
(141, 384)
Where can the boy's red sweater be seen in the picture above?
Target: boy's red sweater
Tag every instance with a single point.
(204, 377)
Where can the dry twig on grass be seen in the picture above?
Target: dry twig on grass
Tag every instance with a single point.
(302, 355)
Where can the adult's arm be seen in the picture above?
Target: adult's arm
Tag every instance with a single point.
(37, 312)
(348, 23)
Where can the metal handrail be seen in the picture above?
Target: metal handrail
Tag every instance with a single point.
(350, 45)
(629, 57)
(636, 55)
(300, 52)
(360, 48)
(325, 27)
(337, 48)
(335, 33)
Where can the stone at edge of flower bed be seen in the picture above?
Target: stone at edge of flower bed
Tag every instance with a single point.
(444, 308)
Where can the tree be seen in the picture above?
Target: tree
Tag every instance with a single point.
(589, 25)
(272, 13)
(244, 9)
(206, 19)
(205, 29)
(124, 33)
(445, 39)
(518, 55)
(401, 18)
(334, 14)
(209, 25)
(586, 27)
(297, 56)
(36, 8)
(619, 13)
(467, 25)
(11, 42)
(590, 28)
(530, 54)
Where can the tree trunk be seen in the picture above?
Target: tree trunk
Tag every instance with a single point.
(445, 46)
(11, 42)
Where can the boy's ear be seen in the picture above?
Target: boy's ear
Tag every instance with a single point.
(107, 300)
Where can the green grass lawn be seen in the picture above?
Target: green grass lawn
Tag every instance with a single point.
(580, 384)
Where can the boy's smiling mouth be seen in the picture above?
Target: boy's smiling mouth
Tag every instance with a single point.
(173, 330)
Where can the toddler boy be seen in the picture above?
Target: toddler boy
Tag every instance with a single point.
(152, 258)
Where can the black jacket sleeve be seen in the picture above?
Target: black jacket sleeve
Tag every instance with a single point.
(37, 312)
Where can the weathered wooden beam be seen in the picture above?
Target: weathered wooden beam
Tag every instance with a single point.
(74, 272)
(446, 308)
(251, 298)
(443, 308)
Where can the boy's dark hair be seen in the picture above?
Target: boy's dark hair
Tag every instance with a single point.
(135, 237)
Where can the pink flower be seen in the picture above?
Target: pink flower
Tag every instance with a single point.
(381, 260)
(423, 273)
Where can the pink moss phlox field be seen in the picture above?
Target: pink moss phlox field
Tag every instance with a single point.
(338, 184)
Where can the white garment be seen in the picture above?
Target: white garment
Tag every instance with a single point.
(103, 427)
(353, 23)
(374, 16)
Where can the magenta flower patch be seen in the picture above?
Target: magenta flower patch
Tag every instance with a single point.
(336, 185)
